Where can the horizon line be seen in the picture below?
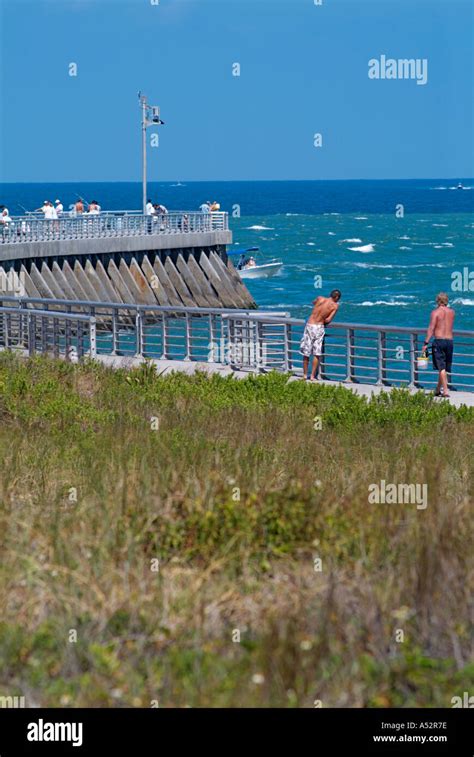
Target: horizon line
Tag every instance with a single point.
(234, 181)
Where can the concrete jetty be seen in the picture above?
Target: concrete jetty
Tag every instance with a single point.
(181, 260)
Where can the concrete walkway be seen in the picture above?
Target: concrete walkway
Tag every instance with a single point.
(169, 366)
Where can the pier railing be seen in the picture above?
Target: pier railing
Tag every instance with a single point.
(243, 339)
(59, 334)
(34, 228)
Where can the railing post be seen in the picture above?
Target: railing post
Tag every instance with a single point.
(114, 331)
(93, 337)
(55, 337)
(381, 373)
(188, 337)
(31, 334)
(211, 351)
(80, 340)
(44, 335)
(229, 348)
(68, 345)
(286, 342)
(5, 330)
(139, 333)
(384, 356)
(259, 362)
(322, 362)
(413, 370)
(164, 336)
(350, 368)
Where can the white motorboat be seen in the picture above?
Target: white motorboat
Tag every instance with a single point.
(250, 268)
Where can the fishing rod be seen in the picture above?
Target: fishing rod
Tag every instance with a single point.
(82, 199)
(27, 212)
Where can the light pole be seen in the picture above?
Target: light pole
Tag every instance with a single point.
(150, 116)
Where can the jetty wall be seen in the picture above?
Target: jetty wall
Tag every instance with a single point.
(180, 269)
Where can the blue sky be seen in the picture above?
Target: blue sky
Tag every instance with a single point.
(304, 69)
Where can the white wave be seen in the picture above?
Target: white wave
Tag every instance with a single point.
(438, 187)
(332, 233)
(439, 224)
(364, 248)
(376, 265)
(357, 241)
(404, 237)
(369, 304)
(334, 214)
(463, 301)
(389, 265)
(404, 248)
(311, 244)
(260, 228)
(293, 214)
(361, 218)
(447, 244)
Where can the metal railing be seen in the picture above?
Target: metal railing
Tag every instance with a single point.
(31, 228)
(353, 352)
(59, 334)
(247, 340)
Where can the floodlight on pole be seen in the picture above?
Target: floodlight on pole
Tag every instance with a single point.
(150, 117)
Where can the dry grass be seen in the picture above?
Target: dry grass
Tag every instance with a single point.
(236, 495)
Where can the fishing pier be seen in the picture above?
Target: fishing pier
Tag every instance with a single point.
(124, 288)
(175, 259)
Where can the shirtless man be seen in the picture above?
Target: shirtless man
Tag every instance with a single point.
(324, 310)
(441, 327)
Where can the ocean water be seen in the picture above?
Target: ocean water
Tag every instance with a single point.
(389, 269)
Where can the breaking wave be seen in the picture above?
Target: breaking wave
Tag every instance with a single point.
(364, 248)
(463, 301)
(369, 303)
(260, 228)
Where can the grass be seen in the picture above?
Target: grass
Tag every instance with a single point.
(200, 541)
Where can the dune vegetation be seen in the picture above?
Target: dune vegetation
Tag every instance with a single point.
(202, 541)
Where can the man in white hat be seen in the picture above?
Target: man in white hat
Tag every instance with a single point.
(44, 208)
(59, 207)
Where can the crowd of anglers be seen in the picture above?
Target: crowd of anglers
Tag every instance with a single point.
(54, 211)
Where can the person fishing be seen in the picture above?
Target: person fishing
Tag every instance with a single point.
(324, 310)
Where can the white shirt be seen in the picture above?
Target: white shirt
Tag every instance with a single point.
(59, 208)
(50, 213)
(149, 210)
(204, 208)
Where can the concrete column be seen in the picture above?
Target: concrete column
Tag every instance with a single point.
(155, 284)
